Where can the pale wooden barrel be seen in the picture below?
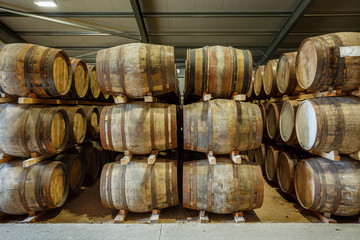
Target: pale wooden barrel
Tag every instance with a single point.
(32, 128)
(331, 123)
(138, 186)
(219, 71)
(222, 126)
(80, 79)
(93, 88)
(258, 82)
(28, 68)
(329, 186)
(271, 161)
(321, 66)
(42, 186)
(139, 127)
(269, 79)
(136, 70)
(286, 74)
(77, 121)
(273, 120)
(287, 121)
(242, 186)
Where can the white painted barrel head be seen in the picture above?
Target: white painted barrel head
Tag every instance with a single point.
(306, 125)
(287, 119)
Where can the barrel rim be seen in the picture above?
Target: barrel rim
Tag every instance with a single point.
(90, 94)
(285, 157)
(258, 87)
(74, 63)
(282, 85)
(298, 196)
(65, 56)
(313, 123)
(281, 119)
(47, 134)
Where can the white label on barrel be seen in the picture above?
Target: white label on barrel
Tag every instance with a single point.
(351, 51)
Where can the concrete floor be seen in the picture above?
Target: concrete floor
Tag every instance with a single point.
(187, 231)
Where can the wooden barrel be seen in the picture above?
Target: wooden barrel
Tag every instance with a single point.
(32, 128)
(91, 157)
(327, 124)
(77, 121)
(251, 155)
(136, 70)
(92, 121)
(263, 108)
(287, 162)
(93, 88)
(138, 127)
(271, 161)
(222, 188)
(258, 82)
(269, 79)
(76, 167)
(219, 71)
(28, 68)
(250, 95)
(273, 120)
(329, 186)
(286, 75)
(322, 63)
(104, 155)
(260, 155)
(80, 79)
(287, 121)
(42, 186)
(138, 186)
(222, 126)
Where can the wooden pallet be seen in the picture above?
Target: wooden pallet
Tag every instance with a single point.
(5, 98)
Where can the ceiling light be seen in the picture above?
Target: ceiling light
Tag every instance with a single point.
(46, 3)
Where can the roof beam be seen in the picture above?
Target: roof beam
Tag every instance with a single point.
(135, 4)
(8, 36)
(109, 32)
(285, 30)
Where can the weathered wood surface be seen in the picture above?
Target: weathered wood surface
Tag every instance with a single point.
(250, 94)
(76, 167)
(139, 186)
(258, 82)
(287, 121)
(136, 69)
(329, 186)
(222, 188)
(320, 66)
(269, 79)
(93, 88)
(260, 156)
(139, 127)
(273, 120)
(40, 187)
(271, 161)
(28, 128)
(77, 121)
(80, 79)
(331, 123)
(28, 68)
(92, 121)
(91, 157)
(222, 126)
(219, 71)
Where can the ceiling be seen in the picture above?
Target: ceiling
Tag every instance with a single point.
(266, 27)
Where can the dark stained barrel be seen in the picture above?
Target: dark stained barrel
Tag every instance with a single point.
(136, 70)
(138, 186)
(222, 188)
(219, 71)
(260, 155)
(28, 68)
(329, 186)
(92, 121)
(273, 120)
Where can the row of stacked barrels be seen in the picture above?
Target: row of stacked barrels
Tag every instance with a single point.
(322, 125)
(47, 184)
(46, 72)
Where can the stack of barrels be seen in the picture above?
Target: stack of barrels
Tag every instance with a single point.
(220, 128)
(141, 130)
(28, 70)
(300, 126)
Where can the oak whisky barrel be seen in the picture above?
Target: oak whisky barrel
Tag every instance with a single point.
(139, 127)
(80, 79)
(136, 70)
(258, 82)
(92, 121)
(329, 186)
(273, 120)
(287, 121)
(77, 121)
(250, 94)
(32, 128)
(271, 161)
(91, 157)
(321, 63)
(269, 79)
(139, 186)
(331, 123)
(222, 126)
(28, 68)
(42, 186)
(260, 156)
(219, 71)
(93, 88)
(286, 74)
(242, 186)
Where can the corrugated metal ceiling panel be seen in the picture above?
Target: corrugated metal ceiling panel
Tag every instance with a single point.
(335, 5)
(328, 24)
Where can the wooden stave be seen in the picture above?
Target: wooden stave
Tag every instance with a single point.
(71, 111)
(91, 132)
(143, 185)
(258, 82)
(226, 145)
(113, 79)
(202, 200)
(271, 166)
(260, 156)
(35, 82)
(338, 174)
(293, 88)
(39, 137)
(271, 78)
(73, 93)
(276, 107)
(250, 94)
(292, 140)
(38, 179)
(90, 94)
(128, 141)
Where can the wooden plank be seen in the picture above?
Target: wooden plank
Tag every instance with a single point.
(333, 155)
(155, 215)
(203, 217)
(355, 155)
(211, 158)
(127, 157)
(239, 217)
(325, 218)
(121, 217)
(121, 99)
(4, 158)
(33, 217)
(152, 157)
(34, 160)
(32, 100)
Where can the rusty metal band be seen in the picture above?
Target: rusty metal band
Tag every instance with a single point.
(323, 121)
(209, 119)
(237, 186)
(148, 65)
(195, 134)
(171, 68)
(167, 183)
(106, 70)
(40, 129)
(45, 72)
(210, 178)
(26, 69)
(320, 186)
(152, 126)
(340, 61)
(123, 199)
(207, 68)
(109, 185)
(121, 70)
(166, 125)
(187, 185)
(194, 185)
(326, 74)
(250, 134)
(109, 114)
(173, 117)
(260, 188)
(252, 178)
(22, 188)
(104, 80)
(122, 123)
(247, 71)
(23, 132)
(204, 61)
